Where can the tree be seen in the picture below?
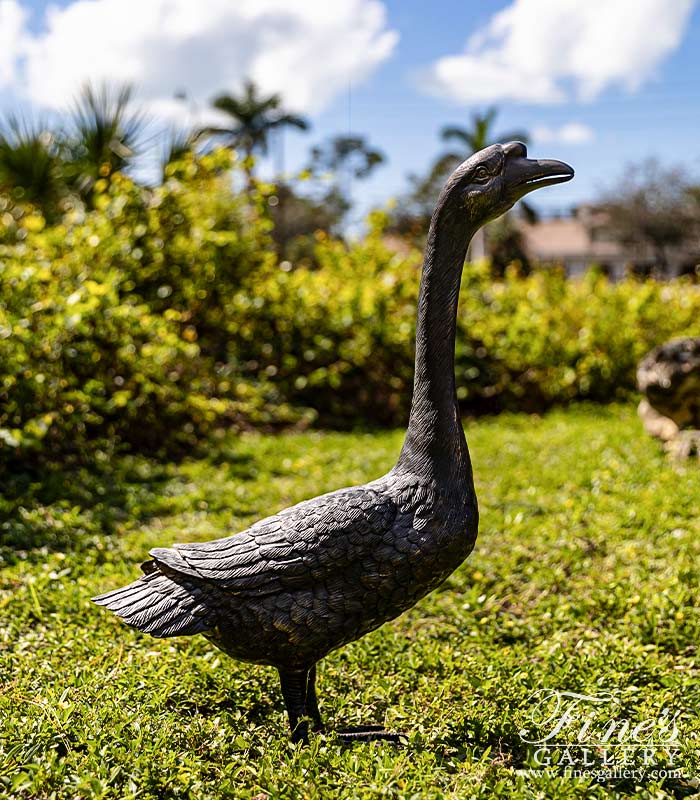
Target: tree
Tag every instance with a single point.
(507, 247)
(470, 140)
(479, 136)
(296, 218)
(104, 134)
(342, 159)
(43, 167)
(325, 200)
(31, 165)
(411, 217)
(345, 155)
(655, 209)
(254, 116)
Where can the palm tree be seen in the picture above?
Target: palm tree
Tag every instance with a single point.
(31, 167)
(104, 134)
(480, 135)
(471, 140)
(254, 117)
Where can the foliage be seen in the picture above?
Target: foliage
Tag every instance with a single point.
(31, 164)
(103, 137)
(55, 169)
(178, 145)
(164, 315)
(350, 155)
(339, 338)
(412, 212)
(111, 322)
(480, 134)
(506, 246)
(297, 218)
(321, 197)
(584, 578)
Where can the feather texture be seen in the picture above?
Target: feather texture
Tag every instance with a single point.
(162, 605)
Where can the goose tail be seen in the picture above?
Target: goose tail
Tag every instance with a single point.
(161, 604)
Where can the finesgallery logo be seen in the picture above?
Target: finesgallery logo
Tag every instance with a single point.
(589, 735)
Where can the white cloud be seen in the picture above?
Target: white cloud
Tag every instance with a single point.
(308, 50)
(544, 51)
(12, 19)
(569, 133)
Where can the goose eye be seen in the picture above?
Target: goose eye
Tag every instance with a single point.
(481, 174)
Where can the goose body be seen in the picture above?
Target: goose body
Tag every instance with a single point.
(297, 585)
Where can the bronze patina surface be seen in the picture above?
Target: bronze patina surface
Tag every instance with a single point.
(297, 585)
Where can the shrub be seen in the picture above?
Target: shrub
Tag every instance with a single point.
(163, 315)
(110, 322)
(337, 338)
(340, 338)
(544, 339)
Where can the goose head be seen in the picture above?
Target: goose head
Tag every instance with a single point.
(491, 181)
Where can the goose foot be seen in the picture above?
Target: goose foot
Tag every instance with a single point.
(299, 692)
(368, 733)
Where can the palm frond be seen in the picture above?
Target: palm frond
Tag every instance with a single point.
(290, 120)
(105, 131)
(229, 105)
(30, 162)
(254, 100)
(453, 132)
(177, 145)
(253, 116)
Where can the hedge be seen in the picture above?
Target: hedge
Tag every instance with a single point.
(164, 316)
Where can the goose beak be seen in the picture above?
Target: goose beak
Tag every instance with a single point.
(523, 175)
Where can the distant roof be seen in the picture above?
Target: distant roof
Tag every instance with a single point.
(568, 237)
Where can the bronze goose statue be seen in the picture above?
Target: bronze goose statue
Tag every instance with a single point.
(295, 586)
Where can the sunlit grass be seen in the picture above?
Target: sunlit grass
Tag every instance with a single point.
(584, 578)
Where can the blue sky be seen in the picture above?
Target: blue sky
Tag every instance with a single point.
(398, 71)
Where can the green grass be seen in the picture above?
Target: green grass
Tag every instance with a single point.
(584, 578)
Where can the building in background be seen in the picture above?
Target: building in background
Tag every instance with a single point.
(583, 238)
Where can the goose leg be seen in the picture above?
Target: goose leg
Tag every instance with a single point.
(299, 693)
(311, 701)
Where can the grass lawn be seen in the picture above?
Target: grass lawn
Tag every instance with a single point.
(584, 579)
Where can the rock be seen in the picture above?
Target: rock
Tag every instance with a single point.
(656, 424)
(669, 377)
(684, 445)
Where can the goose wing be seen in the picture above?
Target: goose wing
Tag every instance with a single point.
(314, 541)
